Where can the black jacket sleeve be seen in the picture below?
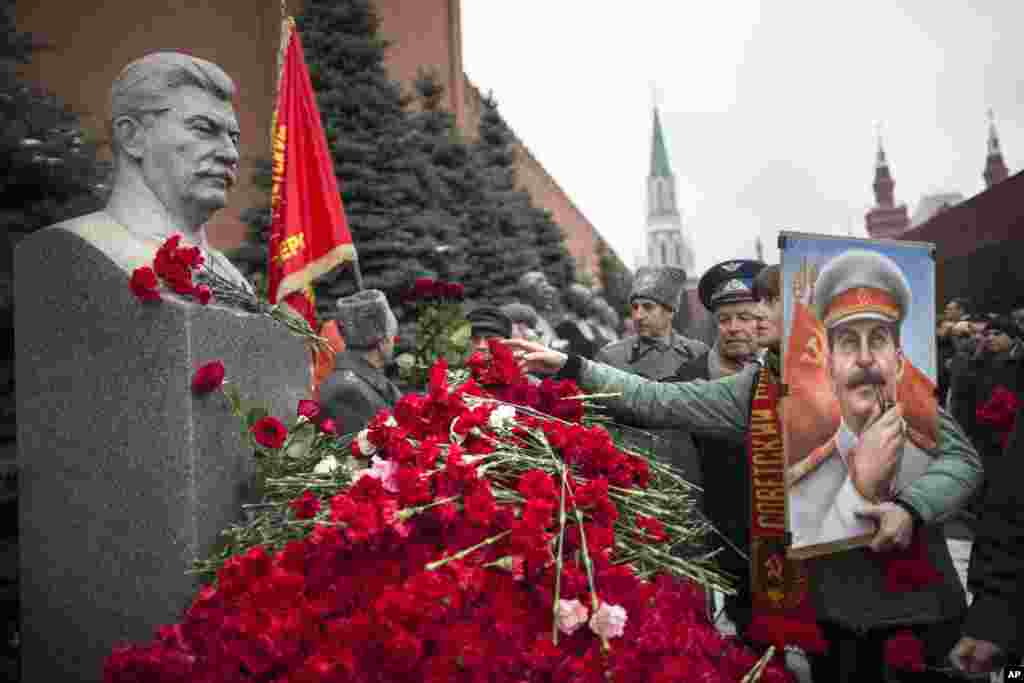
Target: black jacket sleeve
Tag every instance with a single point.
(996, 575)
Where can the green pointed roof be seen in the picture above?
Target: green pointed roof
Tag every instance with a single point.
(659, 157)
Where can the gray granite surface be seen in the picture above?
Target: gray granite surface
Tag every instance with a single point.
(125, 476)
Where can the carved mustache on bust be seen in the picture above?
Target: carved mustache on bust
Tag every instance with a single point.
(229, 176)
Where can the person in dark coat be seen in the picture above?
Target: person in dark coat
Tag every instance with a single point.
(990, 368)
(727, 291)
(574, 327)
(994, 628)
(358, 387)
(486, 322)
(657, 353)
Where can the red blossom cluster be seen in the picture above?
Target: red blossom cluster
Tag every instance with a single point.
(427, 289)
(428, 569)
(173, 265)
(999, 412)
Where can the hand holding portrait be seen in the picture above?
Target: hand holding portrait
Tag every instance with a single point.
(894, 526)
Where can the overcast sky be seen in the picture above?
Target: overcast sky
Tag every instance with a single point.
(769, 108)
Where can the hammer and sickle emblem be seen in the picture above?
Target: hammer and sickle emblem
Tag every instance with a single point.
(775, 565)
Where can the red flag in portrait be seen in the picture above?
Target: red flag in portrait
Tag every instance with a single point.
(309, 234)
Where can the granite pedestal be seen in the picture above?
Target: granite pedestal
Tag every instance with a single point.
(126, 477)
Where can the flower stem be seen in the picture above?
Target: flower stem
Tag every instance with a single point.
(462, 553)
(558, 555)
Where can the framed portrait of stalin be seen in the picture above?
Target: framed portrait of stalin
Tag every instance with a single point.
(858, 339)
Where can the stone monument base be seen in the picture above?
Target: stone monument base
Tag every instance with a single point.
(125, 476)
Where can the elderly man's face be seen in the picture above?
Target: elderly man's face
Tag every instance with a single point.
(863, 357)
(737, 329)
(191, 152)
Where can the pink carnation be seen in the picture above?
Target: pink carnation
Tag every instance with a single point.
(385, 471)
(571, 615)
(609, 621)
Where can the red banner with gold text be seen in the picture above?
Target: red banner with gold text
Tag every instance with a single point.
(309, 234)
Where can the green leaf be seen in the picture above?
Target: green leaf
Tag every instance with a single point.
(460, 337)
(234, 398)
(255, 412)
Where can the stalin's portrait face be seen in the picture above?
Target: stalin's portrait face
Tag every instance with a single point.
(865, 359)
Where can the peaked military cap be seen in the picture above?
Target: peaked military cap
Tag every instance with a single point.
(663, 285)
(365, 319)
(729, 282)
(861, 285)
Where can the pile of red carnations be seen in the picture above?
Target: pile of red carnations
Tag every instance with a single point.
(480, 532)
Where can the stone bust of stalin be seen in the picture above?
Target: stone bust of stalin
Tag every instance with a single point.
(174, 137)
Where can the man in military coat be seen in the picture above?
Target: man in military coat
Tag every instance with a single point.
(358, 387)
(727, 291)
(657, 352)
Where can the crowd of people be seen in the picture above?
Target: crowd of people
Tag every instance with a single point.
(690, 406)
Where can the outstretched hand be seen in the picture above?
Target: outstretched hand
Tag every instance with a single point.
(536, 358)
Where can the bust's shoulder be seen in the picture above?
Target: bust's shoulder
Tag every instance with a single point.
(108, 236)
(86, 224)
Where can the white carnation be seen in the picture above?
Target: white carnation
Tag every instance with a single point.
(366, 447)
(327, 465)
(503, 417)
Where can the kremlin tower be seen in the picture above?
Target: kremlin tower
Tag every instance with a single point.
(886, 219)
(665, 243)
(995, 167)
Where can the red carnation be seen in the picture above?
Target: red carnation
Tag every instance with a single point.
(423, 288)
(208, 378)
(651, 528)
(203, 294)
(537, 484)
(905, 651)
(454, 291)
(144, 284)
(328, 426)
(306, 506)
(479, 505)
(309, 410)
(269, 432)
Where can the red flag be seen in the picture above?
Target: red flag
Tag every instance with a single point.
(309, 234)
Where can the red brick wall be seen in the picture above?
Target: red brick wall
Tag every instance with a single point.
(425, 34)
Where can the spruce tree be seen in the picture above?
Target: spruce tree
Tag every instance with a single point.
(369, 136)
(48, 173)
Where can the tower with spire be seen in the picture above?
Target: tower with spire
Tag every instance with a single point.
(995, 167)
(666, 244)
(886, 218)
